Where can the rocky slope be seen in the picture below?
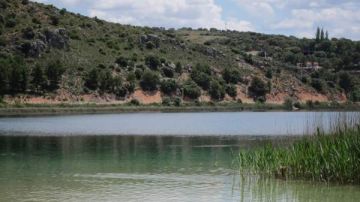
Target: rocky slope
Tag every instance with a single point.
(48, 55)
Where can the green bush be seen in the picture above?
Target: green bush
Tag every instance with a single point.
(149, 80)
(135, 102)
(153, 62)
(168, 72)
(138, 73)
(178, 68)
(231, 90)
(318, 84)
(232, 75)
(166, 101)
(38, 79)
(92, 79)
(258, 88)
(216, 90)
(177, 102)
(191, 90)
(168, 86)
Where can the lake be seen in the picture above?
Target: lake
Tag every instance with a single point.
(154, 157)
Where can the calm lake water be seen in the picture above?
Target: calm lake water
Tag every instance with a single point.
(152, 157)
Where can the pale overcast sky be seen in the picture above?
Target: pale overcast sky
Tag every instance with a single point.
(290, 17)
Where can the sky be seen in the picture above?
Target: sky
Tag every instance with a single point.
(298, 18)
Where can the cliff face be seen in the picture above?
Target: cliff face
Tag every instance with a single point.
(49, 55)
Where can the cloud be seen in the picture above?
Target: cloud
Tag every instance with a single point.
(164, 13)
(340, 21)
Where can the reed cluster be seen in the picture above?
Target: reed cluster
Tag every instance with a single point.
(330, 157)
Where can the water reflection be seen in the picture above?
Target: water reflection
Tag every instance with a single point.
(143, 168)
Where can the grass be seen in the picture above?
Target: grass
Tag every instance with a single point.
(324, 157)
(20, 109)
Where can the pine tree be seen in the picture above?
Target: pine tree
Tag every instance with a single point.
(327, 35)
(38, 79)
(322, 35)
(318, 34)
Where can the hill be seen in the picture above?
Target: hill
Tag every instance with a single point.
(53, 56)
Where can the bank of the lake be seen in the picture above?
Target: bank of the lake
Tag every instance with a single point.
(92, 108)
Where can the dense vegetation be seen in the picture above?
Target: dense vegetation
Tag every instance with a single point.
(323, 157)
(44, 50)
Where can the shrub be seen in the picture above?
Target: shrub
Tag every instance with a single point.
(28, 33)
(355, 95)
(269, 74)
(345, 82)
(231, 90)
(191, 90)
(54, 72)
(138, 73)
(288, 104)
(11, 22)
(201, 78)
(177, 101)
(258, 88)
(131, 77)
(105, 81)
(168, 86)
(178, 68)
(135, 102)
(54, 20)
(122, 61)
(63, 11)
(92, 79)
(231, 75)
(38, 79)
(150, 45)
(216, 90)
(318, 84)
(166, 101)
(168, 72)
(153, 62)
(149, 81)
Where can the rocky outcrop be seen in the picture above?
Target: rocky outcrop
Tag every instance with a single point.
(57, 38)
(146, 38)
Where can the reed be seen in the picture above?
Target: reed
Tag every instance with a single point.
(329, 157)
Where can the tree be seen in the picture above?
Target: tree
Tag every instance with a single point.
(152, 62)
(327, 35)
(258, 88)
(318, 34)
(191, 90)
(178, 68)
(231, 90)
(122, 61)
(322, 35)
(216, 90)
(54, 73)
(3, 77)
(18, 79)
(168, 86)
(168, 72)
(92, 79)
(38, 79)
(105, 81)
(345, 82)
(149, 81)
(231, 75)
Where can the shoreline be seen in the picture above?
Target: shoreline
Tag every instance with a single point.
(79, 109)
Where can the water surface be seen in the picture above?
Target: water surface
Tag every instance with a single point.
(231, 123)
(117, 158)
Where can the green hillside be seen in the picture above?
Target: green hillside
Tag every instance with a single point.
(56, 55)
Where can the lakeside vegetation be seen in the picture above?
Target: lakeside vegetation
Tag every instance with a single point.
(171, 106)
(333, 157)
